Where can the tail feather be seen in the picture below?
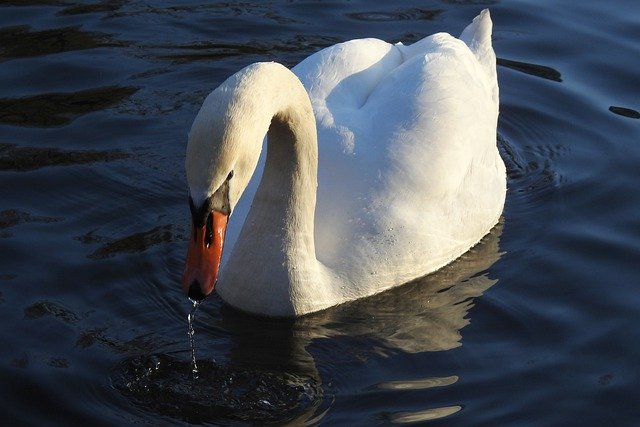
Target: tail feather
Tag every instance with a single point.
(477, 36)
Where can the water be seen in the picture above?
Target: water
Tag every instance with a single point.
(191, 332)
(535, 326)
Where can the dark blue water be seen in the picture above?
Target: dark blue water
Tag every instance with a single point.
(538, 325)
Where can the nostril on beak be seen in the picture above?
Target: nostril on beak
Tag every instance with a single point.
(195, 292)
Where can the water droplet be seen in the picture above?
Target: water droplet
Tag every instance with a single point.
(191, 333)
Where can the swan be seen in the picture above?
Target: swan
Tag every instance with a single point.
(381, 167)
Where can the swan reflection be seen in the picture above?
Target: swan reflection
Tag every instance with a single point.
(255, 369)
(425, 315)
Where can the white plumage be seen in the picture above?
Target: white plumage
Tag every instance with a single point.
(408, 173)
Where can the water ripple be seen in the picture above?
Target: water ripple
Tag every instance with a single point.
(398, 15)
(57, 109)
(626, 112)
(541, 71)
(137, 242)
(22, 42)
(420, 384)
(82, 9)
(220, 394)
(12, 217)
(217, 50)
(22, 159)
(426, 415)
(48, 308)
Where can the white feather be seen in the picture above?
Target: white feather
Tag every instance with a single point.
(408, 173)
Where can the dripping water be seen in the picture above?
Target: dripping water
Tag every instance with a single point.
(191, 332)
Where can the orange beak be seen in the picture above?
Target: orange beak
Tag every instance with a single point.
(204, 255)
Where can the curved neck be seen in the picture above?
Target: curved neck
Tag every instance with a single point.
(286, 196)
(275, 252)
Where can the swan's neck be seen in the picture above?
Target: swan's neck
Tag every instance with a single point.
(275, 253)
(285, 201)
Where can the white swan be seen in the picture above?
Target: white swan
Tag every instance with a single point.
(405, 164)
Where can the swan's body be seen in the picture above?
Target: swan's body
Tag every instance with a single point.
(407, 170)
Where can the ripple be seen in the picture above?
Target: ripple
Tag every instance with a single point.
(214, 50)
(136, 344)
(541, 71)
(58, 362)
(231, 11)
(57, 109)
(22, 159)
(12, 217)
(47, 308)
(33, 3)
(471, 2)
(21, 42)
(531, 172)
(398, 15)
(420, 384)
(82, 9)
(626, 112)
(137, 242)
(426, 415)
(20, 362)
(162, 384)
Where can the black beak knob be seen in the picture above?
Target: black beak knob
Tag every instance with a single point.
(195, 291)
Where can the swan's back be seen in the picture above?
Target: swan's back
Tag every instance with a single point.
(409, 173)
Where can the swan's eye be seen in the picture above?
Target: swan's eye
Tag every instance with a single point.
(208, 237)
(230, 175)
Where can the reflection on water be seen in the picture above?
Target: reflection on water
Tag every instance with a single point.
(627, 112)
(22, 159)
(249, 10)
(33, 2)
(398, 15)
(285, 380)
(426, 415)
(418, 384)
(12, 217)
(103, 6)
(137, 242)
(533, 69)
(56, 109)
(424, 315)
(47, 308)
(21, 42)
(274, 49)
(531, 171)
(162, 385)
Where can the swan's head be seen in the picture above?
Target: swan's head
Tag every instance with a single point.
(222, 154)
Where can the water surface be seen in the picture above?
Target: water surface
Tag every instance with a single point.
(537, 325)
